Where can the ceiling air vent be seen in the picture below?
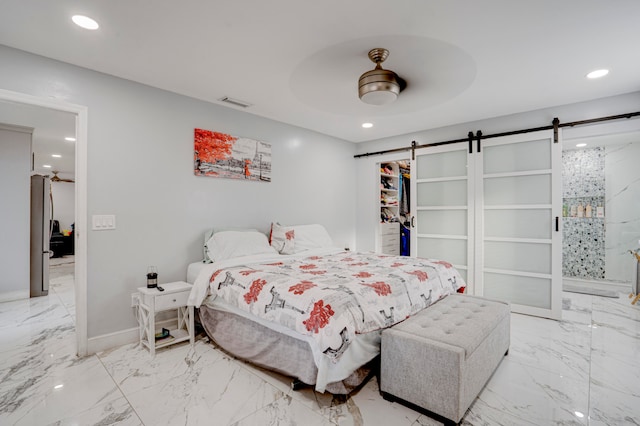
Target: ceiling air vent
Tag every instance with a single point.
(235, 102)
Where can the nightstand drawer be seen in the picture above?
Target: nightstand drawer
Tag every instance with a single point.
(171, 301)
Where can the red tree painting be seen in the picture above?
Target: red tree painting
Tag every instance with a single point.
(221, 155)
(211, 146)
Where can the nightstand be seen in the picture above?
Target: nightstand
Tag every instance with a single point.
(152, 301)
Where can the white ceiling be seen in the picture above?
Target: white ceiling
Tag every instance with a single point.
(50, 128)
(299, 61)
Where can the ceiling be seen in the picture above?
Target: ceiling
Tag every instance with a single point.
(299, 62)
(50, 128)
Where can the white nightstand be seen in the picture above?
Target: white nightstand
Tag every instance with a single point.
(152, 301)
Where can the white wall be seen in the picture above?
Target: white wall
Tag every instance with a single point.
(15, 184)
(140, 166)
(64, 199)
(367, 201)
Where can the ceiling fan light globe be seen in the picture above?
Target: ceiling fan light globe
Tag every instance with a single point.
(378, 98)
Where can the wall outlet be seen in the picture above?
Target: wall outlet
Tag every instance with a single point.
(135, 299)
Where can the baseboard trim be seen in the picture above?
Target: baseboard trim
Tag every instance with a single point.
(124, 337)
(10, 296)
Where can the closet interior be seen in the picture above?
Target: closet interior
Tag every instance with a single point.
(395, 208)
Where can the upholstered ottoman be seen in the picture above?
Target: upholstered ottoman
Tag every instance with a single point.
(441, 358)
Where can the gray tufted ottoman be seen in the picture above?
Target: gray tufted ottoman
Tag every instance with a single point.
(441, 358)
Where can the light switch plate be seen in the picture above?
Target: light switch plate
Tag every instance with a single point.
(103, 222)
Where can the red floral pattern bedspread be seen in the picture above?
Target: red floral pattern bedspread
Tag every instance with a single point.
(333, 297)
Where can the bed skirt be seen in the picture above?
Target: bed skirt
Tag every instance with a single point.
(264, 347)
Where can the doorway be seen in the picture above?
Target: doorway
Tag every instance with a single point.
(601, 224)
(14, 101)
(393, 234)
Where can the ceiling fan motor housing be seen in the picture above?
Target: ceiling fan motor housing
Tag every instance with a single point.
(378, 87)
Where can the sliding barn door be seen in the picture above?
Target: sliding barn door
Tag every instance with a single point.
(442, 206)
(518, 196)
(495, 215)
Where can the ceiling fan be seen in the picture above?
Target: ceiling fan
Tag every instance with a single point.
(55, 177)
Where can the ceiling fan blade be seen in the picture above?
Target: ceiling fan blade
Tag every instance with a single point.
(55, 178)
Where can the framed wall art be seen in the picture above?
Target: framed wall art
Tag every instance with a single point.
(221, 155)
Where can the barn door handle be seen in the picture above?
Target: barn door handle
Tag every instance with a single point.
(557, 224)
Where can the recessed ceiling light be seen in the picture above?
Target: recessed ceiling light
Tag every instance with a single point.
(597, 73)
(46, 166)
(70, 139)
(581, 145)
(367, 125)
(578, 414)
(56, 155)
(85, 22)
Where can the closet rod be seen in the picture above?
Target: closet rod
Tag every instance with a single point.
(495, 135)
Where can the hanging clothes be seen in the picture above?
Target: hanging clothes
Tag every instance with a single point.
(405, 198)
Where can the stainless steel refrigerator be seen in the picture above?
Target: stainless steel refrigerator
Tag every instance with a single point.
(40, 234)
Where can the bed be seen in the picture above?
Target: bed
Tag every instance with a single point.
(297, 305)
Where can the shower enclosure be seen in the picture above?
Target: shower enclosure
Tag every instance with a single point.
(601, 210)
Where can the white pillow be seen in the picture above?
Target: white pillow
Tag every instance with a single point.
(229, 244)
(283, 238)
(209, 233)
(310, 237)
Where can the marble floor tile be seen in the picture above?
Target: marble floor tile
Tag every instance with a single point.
(620, 307)
(519, 394)
(61, 266)
(614, 333)
(27, 337)
(577, 307)
(134, 369)
(61, 391)
(211, 391)
(372, 408)
(557, 371)
(612, 408)
(283, 411)
(362, 407)
(616, 372)
(277, 380)
(31, 313)
(559, 346)
(116, 412)
(65, 291)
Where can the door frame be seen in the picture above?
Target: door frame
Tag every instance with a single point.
(80, 230)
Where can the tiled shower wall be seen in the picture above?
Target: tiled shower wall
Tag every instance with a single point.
(622, 170)
(583, 183)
